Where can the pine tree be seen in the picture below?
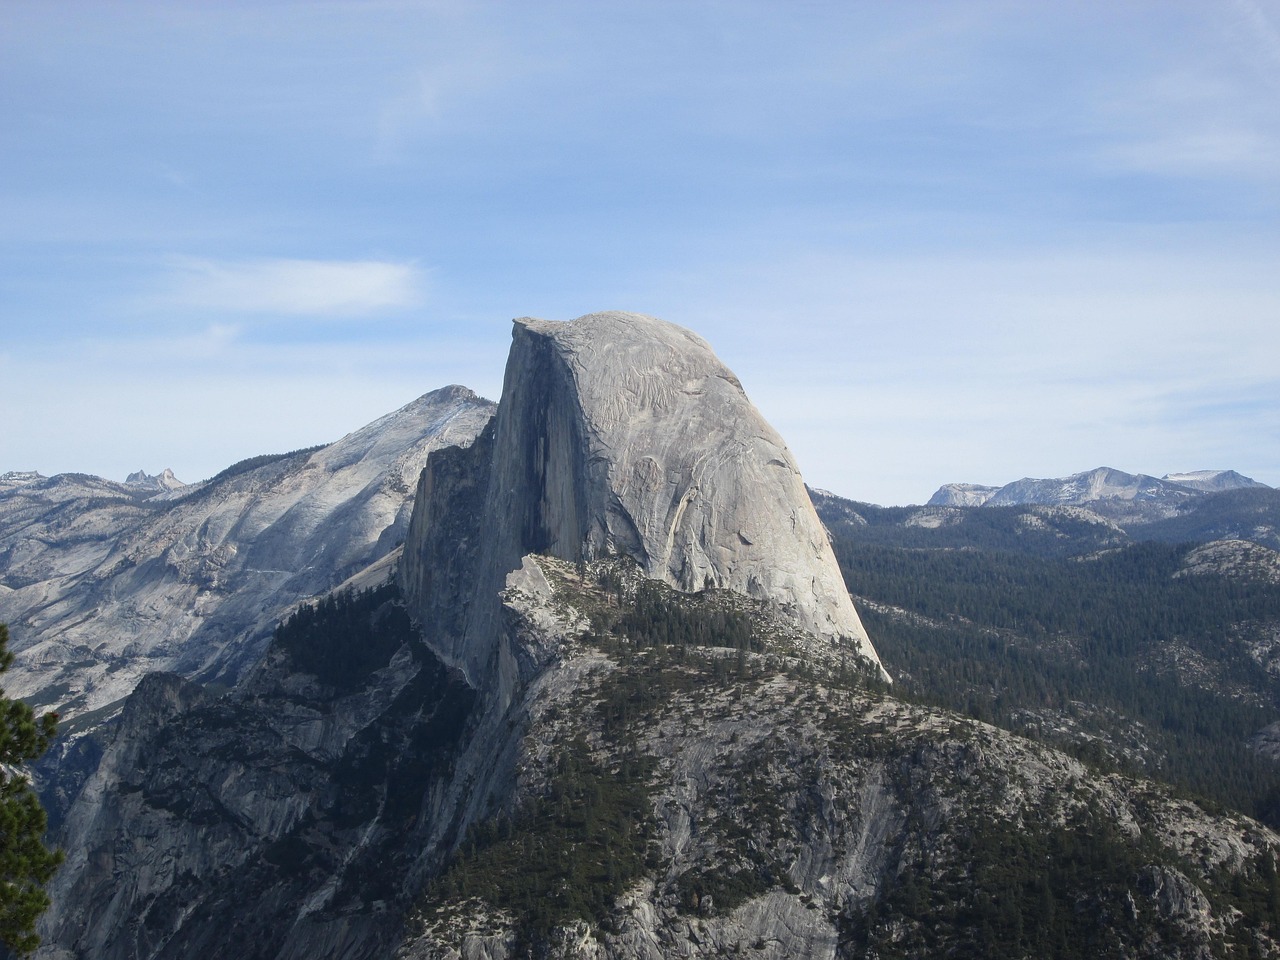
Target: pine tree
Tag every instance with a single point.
(26, 865)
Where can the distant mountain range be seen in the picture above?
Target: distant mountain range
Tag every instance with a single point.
(1112, 493)
(144, 481)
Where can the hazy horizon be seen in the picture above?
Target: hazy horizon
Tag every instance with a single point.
(937, 242)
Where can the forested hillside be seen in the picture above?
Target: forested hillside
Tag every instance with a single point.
(1132, 652)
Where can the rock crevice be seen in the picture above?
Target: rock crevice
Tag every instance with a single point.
(619, 433)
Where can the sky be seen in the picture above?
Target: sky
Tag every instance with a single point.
(936, 241)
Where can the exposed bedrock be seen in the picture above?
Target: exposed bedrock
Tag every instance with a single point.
(618, 433)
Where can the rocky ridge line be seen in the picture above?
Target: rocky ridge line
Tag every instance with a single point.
(102, 583)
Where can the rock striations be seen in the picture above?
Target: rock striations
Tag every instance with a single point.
(103, 582)
(620, 434)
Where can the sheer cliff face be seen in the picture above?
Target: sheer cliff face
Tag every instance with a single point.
(620, 433)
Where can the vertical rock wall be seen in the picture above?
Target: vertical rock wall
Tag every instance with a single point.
(620, 433)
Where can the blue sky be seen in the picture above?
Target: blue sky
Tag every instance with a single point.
(936, 241)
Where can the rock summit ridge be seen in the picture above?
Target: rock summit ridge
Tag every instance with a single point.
(619, 433)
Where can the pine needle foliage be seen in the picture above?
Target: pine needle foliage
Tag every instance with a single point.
(568, 854)
(1096, 641)
(26, 864)
(345, 636)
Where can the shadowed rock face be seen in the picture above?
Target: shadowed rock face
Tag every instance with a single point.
(285, 821)
(620, 433)
(101, 585)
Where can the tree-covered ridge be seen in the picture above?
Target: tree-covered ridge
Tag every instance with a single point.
(653, 618)
(630, 612)
(564, 857)
(345, 636)
(262, 460)
(1108, 651)
(1252, 513)
(1007, 891)
(1121, 600)
(1023, 530)
(733, 796)
(1042, 530)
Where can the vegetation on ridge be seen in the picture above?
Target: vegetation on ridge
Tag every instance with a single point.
(262, 460)
(570, 850)
(567, 854)
(26, 864)
(1107, 654)
(789, 749)
(343, 637)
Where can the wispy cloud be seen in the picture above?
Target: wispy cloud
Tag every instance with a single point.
(1260, 26)
(462, 78)
(323, 288)
(1190, 123)
(1000, 239)
(1201, 109)
(1209, 150)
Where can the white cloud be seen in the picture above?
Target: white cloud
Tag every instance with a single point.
(329, 288)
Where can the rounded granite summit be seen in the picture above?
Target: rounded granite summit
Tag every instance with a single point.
(620, 433)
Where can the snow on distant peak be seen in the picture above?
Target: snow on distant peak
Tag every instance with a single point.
(1212, 481)
(1133, 495)
(961, 495)
(19, 478)
(1101, 483)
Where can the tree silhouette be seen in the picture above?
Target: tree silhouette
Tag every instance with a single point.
(26, 864)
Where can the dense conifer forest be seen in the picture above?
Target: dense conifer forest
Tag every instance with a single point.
(343, 637)
(1076, 634)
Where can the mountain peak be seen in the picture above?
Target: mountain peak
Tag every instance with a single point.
(19, 478)
(1212, 481)
(1135, 496)
(961, 495)
(620, 433)
(1100, 483)
(144, 481)
(219, 564)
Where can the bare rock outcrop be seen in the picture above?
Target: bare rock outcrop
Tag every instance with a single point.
(102, 583)
(619, 434)
(284, 820)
